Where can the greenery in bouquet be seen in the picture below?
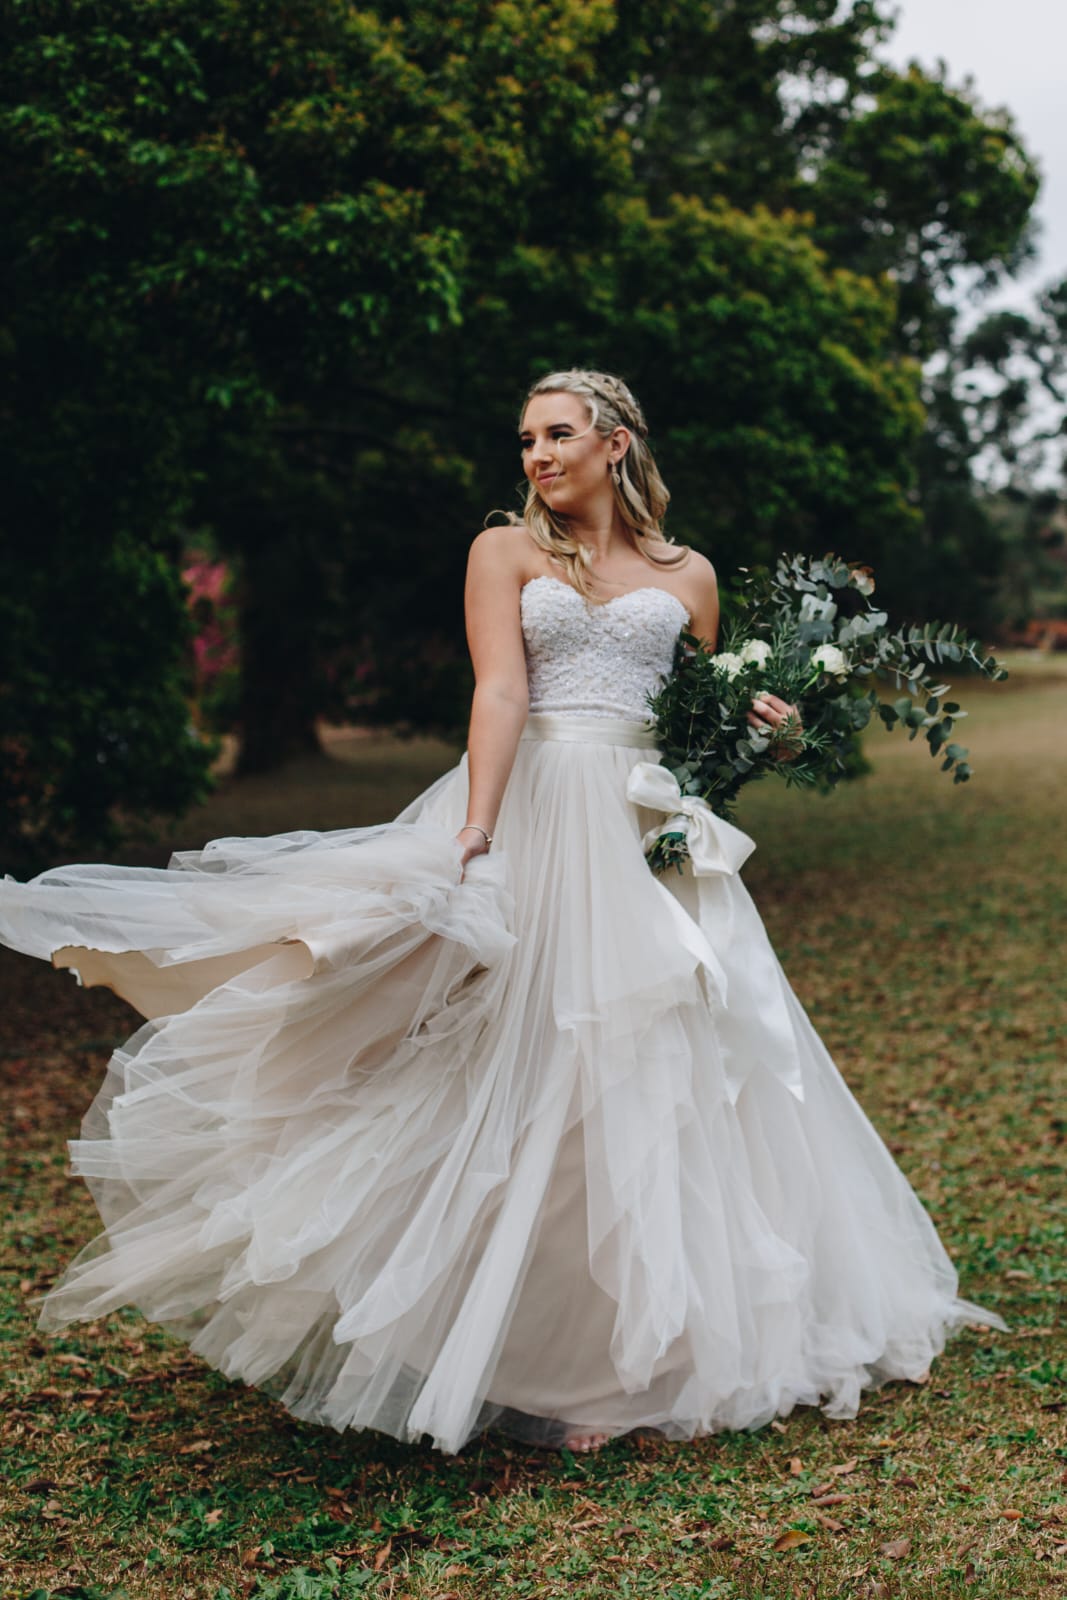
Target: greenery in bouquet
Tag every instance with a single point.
(809, 632)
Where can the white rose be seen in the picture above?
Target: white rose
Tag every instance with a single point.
(815, 610)
(756, 650)
(831, 660)
(728, 662)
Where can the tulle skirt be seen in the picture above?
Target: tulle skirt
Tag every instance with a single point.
(548, 1144)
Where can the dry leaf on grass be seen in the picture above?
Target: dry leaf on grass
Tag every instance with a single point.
(791, 1538)
(895, 1549)
(383, 1555)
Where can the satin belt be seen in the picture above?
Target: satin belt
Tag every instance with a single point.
(631, 732)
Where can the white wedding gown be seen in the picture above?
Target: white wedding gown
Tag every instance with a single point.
(551, 1147)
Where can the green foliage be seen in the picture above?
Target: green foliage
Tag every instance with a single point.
(282, 275)
(93, 715)
(808, 633)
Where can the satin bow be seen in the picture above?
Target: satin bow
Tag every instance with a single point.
(757, 1026)
(714, 845)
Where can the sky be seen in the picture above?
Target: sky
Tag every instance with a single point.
(1016, 52)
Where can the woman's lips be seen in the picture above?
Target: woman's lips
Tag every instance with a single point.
(549, 477)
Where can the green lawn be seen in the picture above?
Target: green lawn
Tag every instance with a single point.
(924, 926)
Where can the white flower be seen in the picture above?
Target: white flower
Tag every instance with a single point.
(756, 650)
(831, 660)
(728, 662)
(815, 610)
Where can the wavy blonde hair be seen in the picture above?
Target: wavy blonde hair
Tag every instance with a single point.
(641, 496)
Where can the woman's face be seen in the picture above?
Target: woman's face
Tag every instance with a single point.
(565, 458)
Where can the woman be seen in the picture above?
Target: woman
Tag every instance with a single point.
(425, 1135)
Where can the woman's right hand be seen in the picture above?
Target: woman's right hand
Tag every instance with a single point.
(473, 843)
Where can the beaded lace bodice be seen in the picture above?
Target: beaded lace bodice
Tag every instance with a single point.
(593, 659)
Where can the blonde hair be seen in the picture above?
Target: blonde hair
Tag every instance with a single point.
(641, 496)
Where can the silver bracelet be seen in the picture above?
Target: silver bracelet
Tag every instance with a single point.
(488, 837)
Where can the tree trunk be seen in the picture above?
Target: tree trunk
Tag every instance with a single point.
(279, 679)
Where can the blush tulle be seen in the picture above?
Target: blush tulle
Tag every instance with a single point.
(549, 1145)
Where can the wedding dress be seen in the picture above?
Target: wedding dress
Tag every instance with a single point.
(550, 1145)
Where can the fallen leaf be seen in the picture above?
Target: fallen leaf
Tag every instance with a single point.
(796, 1466)
(845, 1467)
(791, 1538)
(779, 1427)
(828, 1522)
(383, 1555)
(250, 1557)
(198, 1447)
(214, 1516)
(895, 1549)
(1011, 1516)
(830, 1499)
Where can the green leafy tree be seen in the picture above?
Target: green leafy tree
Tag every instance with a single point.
(334, 242)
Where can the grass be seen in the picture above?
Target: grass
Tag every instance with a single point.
(924, 928)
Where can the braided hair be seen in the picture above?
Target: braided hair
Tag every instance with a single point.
(641, 496)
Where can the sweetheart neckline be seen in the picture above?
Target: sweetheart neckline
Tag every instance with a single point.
(602, 605)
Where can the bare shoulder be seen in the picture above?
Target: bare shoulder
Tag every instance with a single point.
(501, 549)
(700, 572)
(702, 597)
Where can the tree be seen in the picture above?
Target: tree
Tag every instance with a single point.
(341, 239)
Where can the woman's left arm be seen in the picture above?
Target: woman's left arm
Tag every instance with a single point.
(704, 601)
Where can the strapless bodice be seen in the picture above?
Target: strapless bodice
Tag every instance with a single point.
(586, 659)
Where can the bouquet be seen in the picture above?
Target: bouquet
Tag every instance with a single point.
(809, 632)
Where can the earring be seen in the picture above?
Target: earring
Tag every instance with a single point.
(614, 474)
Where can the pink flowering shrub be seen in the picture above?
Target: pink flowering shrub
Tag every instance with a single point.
(216, 650)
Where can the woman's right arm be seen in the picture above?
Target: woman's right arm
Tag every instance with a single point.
(501, 692)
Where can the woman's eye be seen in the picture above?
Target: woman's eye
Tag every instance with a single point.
(527, 444)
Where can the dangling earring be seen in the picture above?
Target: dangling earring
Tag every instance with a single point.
(614, 474)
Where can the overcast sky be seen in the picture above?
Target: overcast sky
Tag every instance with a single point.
(1016, 52)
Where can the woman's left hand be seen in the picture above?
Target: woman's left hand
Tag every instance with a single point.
(770, 712)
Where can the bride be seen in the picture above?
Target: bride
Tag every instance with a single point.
(467, 1119)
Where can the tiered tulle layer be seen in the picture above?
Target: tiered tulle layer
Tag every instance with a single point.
(551, 1144)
